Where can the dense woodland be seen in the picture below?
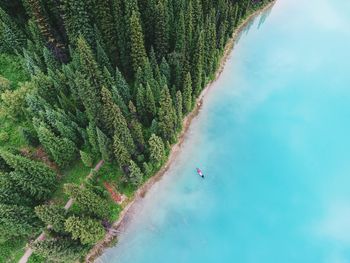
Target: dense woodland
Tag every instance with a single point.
(108, 80)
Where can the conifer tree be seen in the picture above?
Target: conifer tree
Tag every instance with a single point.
(138, 52)
(149, 104)
(161, 30)
(122, 155)
(59, 249)
(135, 175)
(197, 69)
(187, 94)
(166, 116)
(86, 159)
(9, 192)
(77, 20)
(115, 121)
(87, 200)
(102, 58)
(104, 144)
(93, 140)
(17, 221)
(179, 109)
(62, 150)
(12, 39)
(52, 215)
(157, 151)
(87, 230)
(32, 177)
(122, 86)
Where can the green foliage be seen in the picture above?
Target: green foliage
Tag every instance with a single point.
(32, 177)
(16, 221)
(86, 158)
(52, 215)
(59, 249)
(156, 148)
(87, 230)
(87, 200)
(62, 150)
(166, 116)
(135, 175)
(138, 52)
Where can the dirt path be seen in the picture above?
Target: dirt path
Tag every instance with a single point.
(29, 251)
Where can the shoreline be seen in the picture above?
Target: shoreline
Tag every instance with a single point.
(126, 213)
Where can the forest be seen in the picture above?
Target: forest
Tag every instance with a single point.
(88, 80)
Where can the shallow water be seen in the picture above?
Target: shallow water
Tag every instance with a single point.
(273, 141)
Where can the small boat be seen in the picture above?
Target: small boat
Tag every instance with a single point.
(199, 172)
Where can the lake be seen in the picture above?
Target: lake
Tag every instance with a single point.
(272, 139)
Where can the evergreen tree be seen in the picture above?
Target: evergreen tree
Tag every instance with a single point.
(122, 155)
(166, 116)
(149, 104)
(179, 110)
(157, 151)
(87, 230)
(59, 249)
(12, 39)
(187, 94)
(87, 200)
(93, 140)
(197, 69)
(32, 177)
(86, 159)
(17, 221)
(122, 86)
(161, 30)
(62, 150)
(104, 144)
(52, 215)
(138, 52)
(135, 175)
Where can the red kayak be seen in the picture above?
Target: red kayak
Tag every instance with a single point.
(199, 172)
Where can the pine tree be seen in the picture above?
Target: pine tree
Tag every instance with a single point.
(10, 193)
(121, 153)
(188, 98)
(32, 177)
(62, 150)
(197, 69)
(149, 104)
(135, 175)
(179, 110)
(166, 116)
(157, 151)
(87, 200)
(17, 221)
(87, 230)
(86, 159)
(115, 121)
(161, 30)
(12, 39)
(93, 140)
(52, 215)
(59, 249)
(77, 20)
(102, 58)
(122, 86)
(138, 52)
(104, 144)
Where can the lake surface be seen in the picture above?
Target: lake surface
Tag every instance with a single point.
(273, 139)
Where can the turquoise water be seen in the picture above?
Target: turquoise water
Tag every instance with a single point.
(273, 141)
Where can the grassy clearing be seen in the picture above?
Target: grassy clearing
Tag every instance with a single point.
(11, 67)
(11, 251)
(75, 174)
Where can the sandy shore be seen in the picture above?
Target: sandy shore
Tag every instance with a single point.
(127, 212)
